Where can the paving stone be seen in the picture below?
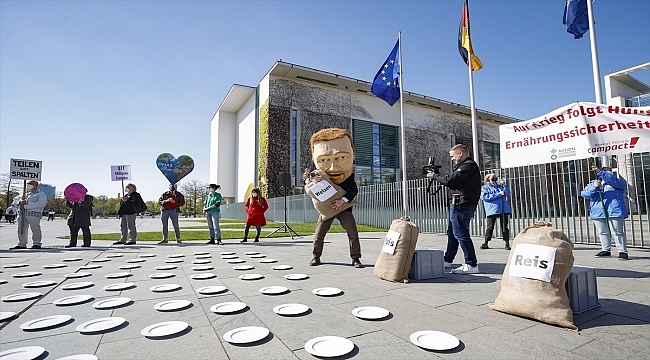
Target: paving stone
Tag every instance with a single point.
(487, 316)
(630, 333)
(555, 336)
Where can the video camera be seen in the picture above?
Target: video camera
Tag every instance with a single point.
(431, 166)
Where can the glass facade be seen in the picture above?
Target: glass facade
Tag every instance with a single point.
(491, 155)
(295, 176)
(377, 152)
(636, 101)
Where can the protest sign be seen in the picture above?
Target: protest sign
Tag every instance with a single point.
(25, 169)
(120, 172)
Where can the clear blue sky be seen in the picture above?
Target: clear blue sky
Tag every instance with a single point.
(89, 84)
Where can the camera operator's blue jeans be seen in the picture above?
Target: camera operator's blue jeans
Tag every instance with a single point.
(458, 233)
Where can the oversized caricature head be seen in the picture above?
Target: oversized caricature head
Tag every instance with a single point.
(333, 152)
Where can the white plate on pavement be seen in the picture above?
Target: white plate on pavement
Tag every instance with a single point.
(79, 285)
(39, 283)
(72, 300)
(202, 268)
(72, 259)
(228, 307)
(45, 322)
(173, 261)
(201, 253)
(370, 312)
(18, 265)
(27, 274)
(210, 290)
(267, 261)
(236, 261)
(252, 253)
(119, 286)
(114, 255)
(228, 253)
(80, 357)
(111, 303)
(203, 276)
(6, 315)
(434, 340)
(173, 256)
(21, 296)
(128, 267)
(54, 266)
(207, 256)
(327, 291)
(23, 353)
(258, 256)
(162, 275)
(135, 261)
(227, 257)
(101, 324)
(296, 276)
(100, 260)
(246, 335)
(243, 267)
(290, 309)
(147, 255)
(273, 290)
(282, 267)
(251, 276)
(164, 329)
(329, 346)
(165, 287)
(172, 305)
(89, 267)
(201, 261)
(3, 281)
(77, 275)
(118, 275)
(166, 267)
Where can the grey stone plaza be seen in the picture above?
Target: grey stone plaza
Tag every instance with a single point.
(456, 304)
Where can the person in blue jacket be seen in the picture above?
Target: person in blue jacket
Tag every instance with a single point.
(494, 195)
(608, 190)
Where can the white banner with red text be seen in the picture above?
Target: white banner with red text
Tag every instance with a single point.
(576, 131)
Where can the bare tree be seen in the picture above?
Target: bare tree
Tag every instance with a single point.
(194, 191)
(10, 188)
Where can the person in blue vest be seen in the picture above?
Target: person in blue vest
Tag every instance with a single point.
(606, 202)
(494, 194)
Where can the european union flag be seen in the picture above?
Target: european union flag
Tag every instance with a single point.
(576, 17)
(386, 83)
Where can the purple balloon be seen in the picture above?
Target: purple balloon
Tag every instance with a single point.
(75, 192)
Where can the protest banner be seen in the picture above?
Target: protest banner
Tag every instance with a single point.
(576, 131)
(21, 169)
(121, 173)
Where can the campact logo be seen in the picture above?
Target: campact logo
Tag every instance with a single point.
(553, 154)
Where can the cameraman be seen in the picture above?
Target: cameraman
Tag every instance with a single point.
(464, 192)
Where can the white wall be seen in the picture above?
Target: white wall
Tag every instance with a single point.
(264, 89)
(246, 147)
(222, 160)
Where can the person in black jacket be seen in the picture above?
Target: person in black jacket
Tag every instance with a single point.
(464, 185)
(130, 201)
(79, 218)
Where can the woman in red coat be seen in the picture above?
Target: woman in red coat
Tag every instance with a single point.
(256, 206)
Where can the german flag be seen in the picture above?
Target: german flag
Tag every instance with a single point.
(465, 41)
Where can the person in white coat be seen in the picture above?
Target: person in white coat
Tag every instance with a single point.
(31, 211)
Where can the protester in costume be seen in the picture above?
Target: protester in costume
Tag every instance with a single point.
(256, 206)
(79, 218)
(211, 209)
(130, 203)
(607, 210)
(333, 152)
(171, 202)
(495, 194)
(29, 217)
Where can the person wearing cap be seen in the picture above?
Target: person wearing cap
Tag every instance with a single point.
(211, 209)
(171, 202)
(31, 211)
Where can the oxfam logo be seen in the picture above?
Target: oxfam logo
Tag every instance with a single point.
(553, 155)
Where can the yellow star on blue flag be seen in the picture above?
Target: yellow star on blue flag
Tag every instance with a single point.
(386, 83)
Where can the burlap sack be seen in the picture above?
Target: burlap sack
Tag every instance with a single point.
(544, 301)
(323, 207)
(395, 267)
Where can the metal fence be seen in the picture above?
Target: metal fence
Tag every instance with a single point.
(549, 192)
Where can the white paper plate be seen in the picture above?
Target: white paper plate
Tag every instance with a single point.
(72, 259)
(273, 290)
(72, 300)
(296, 276)
(282, 267)
(202, 268)
(201, 261)
(327, 291)
(252, 253)
(119, 286)
(45, 322)
(118, 275)
(246, 335)
(434, 340)
(134, 261)
(19, 265)
(228, 253)
(27, 274)
(251, 276)
(228, 307)
(173, 261)
(100, 260)
(111, 303)
(203, 256)
(114, 255)
(203, 276)
(23, 353)
(226, 257)
(128, 267)
(147, 255)
(79, 285)
(164, 329)
(6, 315)
(39, 283)
(290, 309)
(267, 261)
(201, 253)
(21, 296)
(173, 256)
(165, 287)
(236, 261)
(162, 275)
(89, 267)
(77, 275)
(80, 357)
(54, 266)
(258, 256)
(210, 290)
(166, 267)
(3, 281)
(243, 267)
(172, 305)
(370, 312)
(329, 346)
(101, 324)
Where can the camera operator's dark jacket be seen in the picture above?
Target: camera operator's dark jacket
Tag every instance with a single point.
(465, 180)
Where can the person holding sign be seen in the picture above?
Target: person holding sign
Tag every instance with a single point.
(211, 209)
(607, 210)
(171, 202)
(256, 206)
(495, 202)
(130, 205)
(31, 211)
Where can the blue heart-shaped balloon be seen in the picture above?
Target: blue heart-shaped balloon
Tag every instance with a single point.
(173, 168)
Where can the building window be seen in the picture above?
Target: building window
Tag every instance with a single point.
(491, 155)
(294, 148)
(377, 152)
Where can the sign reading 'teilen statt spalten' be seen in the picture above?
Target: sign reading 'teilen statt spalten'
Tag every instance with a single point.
(22, 169)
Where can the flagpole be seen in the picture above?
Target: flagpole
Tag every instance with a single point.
(473, 109)
(401, 120)
(594, 62)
